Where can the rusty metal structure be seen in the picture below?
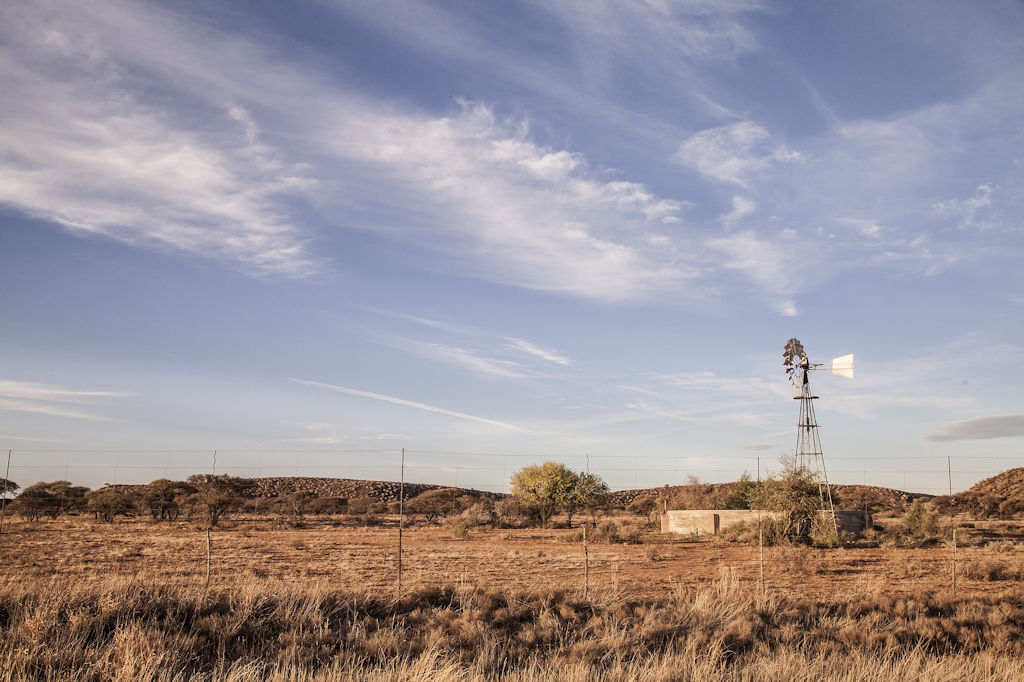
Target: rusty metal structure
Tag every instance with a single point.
(808, 452)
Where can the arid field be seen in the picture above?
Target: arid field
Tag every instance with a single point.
(344, 555)
(129, 600)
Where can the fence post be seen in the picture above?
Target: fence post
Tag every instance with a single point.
(760, 527)
(3, 493)
(586, 565)
(949, 479)
(401, 520)
(208, 557)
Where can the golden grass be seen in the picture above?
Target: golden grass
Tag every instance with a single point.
(347, 555)
(126, 601)
(123, 629)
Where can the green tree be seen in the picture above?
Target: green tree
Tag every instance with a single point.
(794, 492)
(108, 503)
(739, 496)
(589, 494)
(543, 490)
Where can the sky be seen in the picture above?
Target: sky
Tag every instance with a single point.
(308, 235)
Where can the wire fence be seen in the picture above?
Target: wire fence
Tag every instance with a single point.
(335, 545)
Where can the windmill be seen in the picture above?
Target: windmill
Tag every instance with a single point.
(809, 456)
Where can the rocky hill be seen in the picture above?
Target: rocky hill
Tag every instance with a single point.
(348, 488)
(875, 498)
(1006, 485)
(345, 488)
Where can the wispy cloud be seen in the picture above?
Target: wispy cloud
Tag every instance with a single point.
(406, 403)
(102, 135)
(538, 352)
(46, 399)
(470, 360)
(477, 189)
(734, 153)
(741, 208)
(84, 145)
(530, 215)
(766, 262)
(981, 428)
(973, 212)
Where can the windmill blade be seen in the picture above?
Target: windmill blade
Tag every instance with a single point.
(843, 366)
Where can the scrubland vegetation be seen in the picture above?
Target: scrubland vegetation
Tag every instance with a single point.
(109, 584)
(125, 629)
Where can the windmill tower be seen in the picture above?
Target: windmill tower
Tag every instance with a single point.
(809, 455)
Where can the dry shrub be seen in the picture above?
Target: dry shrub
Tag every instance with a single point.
(994, 569)
(609, 532)
(746, 532)
(122, 629)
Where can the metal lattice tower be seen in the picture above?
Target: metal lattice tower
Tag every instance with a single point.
(809, 455)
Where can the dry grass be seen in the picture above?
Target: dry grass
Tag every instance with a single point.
(89, 601)
(175, 554)
(123, 629)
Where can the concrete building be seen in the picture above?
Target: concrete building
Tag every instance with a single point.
(712, 521)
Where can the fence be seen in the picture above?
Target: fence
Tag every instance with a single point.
(341, 549)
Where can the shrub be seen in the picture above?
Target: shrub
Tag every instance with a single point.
(508, 513)
(478, 514)
(773, 530)
(108, 503)
(459, 531)
(645, 506)
(993, 569)
(920, 522)
(366, 505)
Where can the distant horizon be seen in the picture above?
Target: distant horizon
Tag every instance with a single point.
(472, 473)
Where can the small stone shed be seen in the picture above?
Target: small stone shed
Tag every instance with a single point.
(712, 521)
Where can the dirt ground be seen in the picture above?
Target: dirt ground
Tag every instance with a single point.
(346, 555)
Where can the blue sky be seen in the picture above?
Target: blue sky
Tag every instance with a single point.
(517, 230)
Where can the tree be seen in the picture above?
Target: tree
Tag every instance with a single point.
(108, 503)
(794, 492)
(432, 504)
(739, 496)
(542, 490)
(589, 494)
(643, 505)
(983, 506)
(294, 506)
(214, 496)
(162, 498)
(7, 487)
(48, 499)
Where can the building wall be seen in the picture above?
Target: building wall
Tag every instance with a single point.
(712, 521)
